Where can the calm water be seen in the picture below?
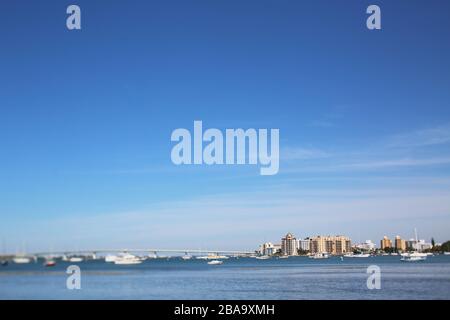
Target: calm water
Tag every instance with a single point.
(244, 278)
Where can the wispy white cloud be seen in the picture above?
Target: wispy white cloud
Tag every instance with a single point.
(397, 151)
(368, 165)
(384, 151)
(405, 162)
(424, 137)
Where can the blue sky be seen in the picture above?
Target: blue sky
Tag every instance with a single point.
(86, 119)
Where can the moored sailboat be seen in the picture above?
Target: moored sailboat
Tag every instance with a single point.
(414, 256)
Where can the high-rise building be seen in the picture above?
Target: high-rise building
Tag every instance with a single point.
(276, 248)
(414, 245)
(289, 245)
(304, 244)
(421, 245)
(368, 245)
(331, 244)
(410, 245)
(267, 249)
(400, 244)
(385, 243)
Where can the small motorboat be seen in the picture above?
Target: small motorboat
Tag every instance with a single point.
(75, 259)
(320, 255)
(21, 260)
(128, 259)
(50, 263)
(212, 257)
(265, 257)
(357, 255)
(215, 262)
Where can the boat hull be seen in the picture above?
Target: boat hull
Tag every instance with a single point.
(127, 262)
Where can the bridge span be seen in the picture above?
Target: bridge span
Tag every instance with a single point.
(140, 250)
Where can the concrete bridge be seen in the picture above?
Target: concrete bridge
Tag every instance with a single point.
(155, 251)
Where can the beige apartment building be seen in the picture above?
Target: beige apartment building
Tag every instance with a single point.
(400, 244)
(385, 243)
(331, 244)
(289, 245)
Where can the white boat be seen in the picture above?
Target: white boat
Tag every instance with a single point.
(283, 257)
(265, 257)
(127, 262)
(415, 256)
(110, 258)
(21, 260)
(321, 255)
(212, 257)
(75, 259)
(128, 259)
(405, 254)
(49, 263)
(447, 253)
(186, 257)
(215, 262)
(358, 255)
